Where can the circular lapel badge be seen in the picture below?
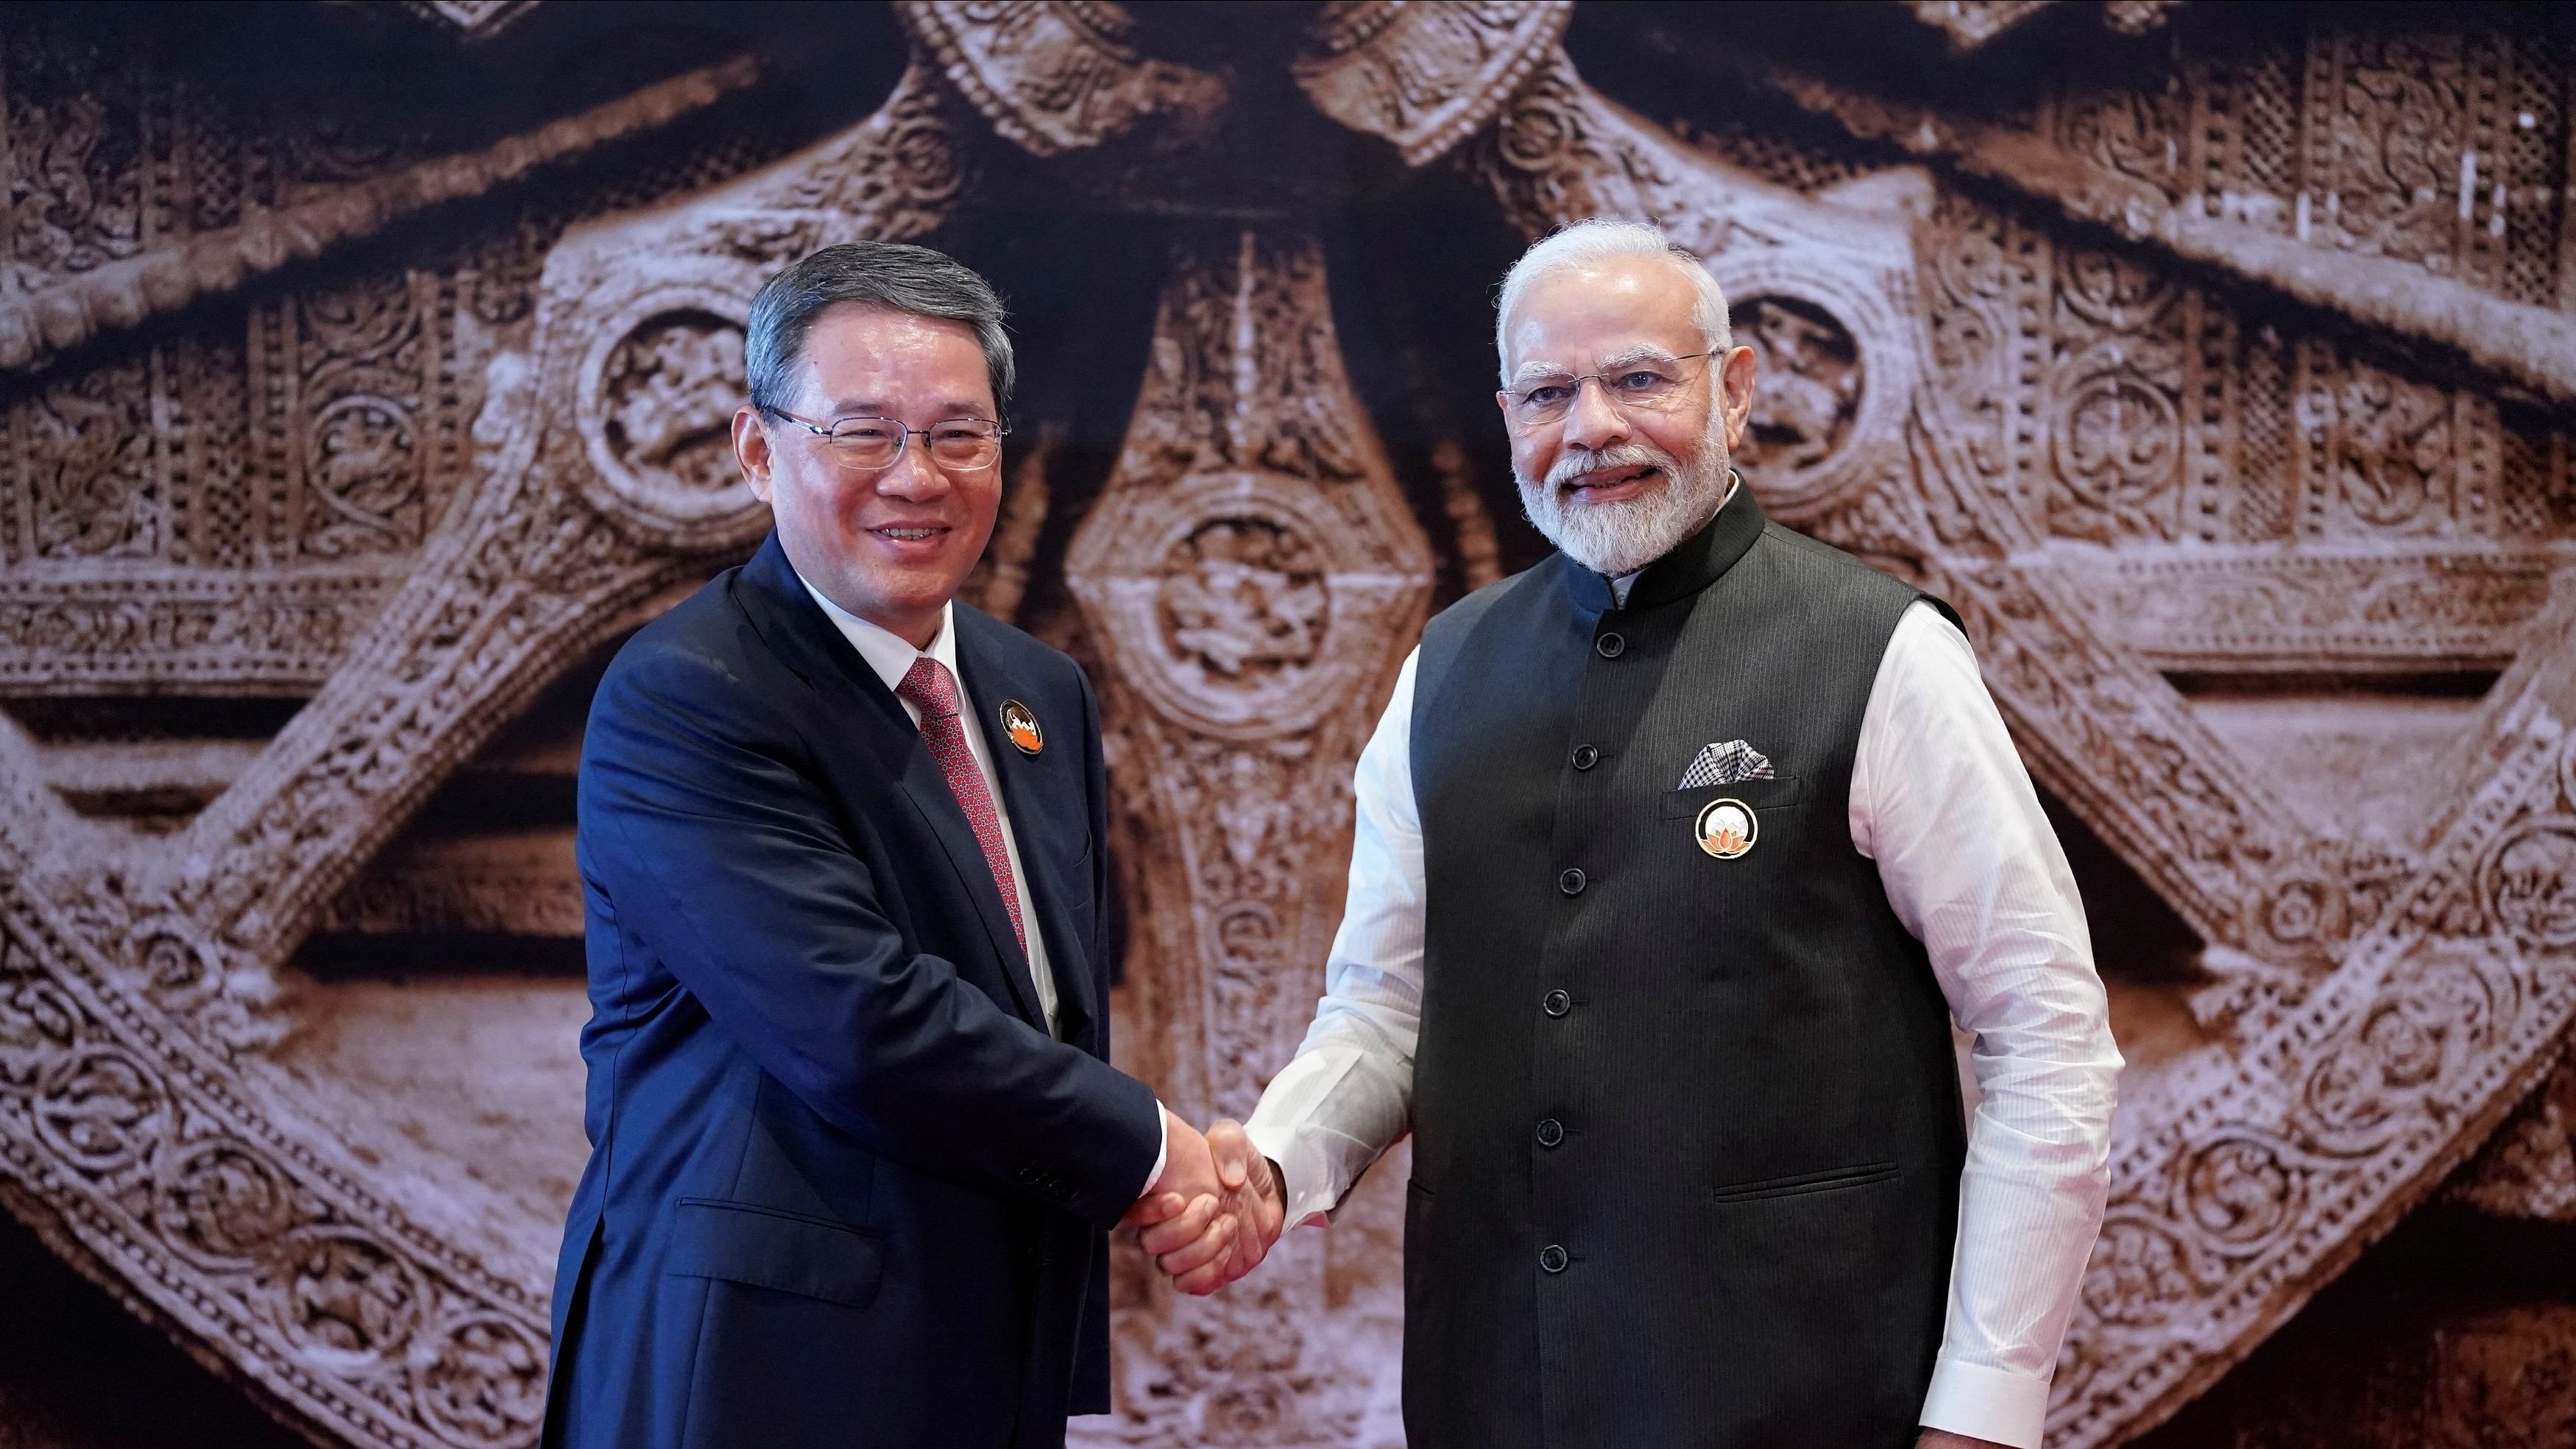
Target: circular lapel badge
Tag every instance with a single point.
(1726, 828)
(1020, 724)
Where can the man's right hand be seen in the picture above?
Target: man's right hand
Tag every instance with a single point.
(1253, 1214)
(1187, 1201)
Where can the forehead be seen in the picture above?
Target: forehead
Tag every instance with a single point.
(856, 352)
(1574, 315)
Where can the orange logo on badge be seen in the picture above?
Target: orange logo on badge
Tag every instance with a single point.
(1726, 828)
(1020, 724)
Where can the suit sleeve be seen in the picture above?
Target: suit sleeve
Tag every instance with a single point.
(723, 854)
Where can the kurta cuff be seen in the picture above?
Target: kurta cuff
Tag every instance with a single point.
(1986, 1403)
(1305, 1179)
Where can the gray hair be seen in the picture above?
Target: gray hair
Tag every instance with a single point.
(882, 274)
(1599, 239)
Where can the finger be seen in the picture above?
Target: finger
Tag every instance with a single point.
(1232, 1149)
(1182, 1229)
(1200, 1282)
(1251, 1244)
(1153, 1208)
(1211, 1247)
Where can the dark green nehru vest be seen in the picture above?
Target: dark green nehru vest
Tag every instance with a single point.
(1687, 1129)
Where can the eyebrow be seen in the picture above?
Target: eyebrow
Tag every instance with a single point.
(1531, 372)
(954, 408)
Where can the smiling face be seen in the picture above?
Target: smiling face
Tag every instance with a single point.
(1616, 486)
(891, 546)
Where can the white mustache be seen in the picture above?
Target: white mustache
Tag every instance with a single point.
(1573, 463)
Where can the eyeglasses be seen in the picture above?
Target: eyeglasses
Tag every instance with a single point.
(1653, 383)
(962, 444)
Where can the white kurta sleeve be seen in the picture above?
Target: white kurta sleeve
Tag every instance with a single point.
(1940, 801)
(1348, 1094)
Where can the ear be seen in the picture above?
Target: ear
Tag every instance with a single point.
(751, 451)
(1735, 393)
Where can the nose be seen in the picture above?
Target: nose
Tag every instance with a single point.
(1593, 422)
(912, 475)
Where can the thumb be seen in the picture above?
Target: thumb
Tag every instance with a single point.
(1232, 1148)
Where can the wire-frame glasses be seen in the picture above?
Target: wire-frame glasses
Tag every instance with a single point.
(870, 444)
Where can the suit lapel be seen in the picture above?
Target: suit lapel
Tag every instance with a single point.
(1024, 795)
(927, 789)
(791, 622)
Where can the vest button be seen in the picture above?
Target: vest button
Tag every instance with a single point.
(1585, 757)
(1611, 646)
(1550, 1132)
(1552, 1258)
(1570, 882)
(1556, 1003)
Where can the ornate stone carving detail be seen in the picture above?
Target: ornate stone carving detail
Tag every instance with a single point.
(87, 467)
(2395, 1064)
(2247, 607)
(1251, 577)
(513, 885)
(2529, 346)
(652, 388)
(238, 1226)
(1812, 384)
(2117, 440)
(1425, 76)
(136, 629)
(1055, 75)
(122, 292)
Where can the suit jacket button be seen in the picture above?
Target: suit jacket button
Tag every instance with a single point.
(1556, 1003)
(1610, 645)
(1552, 1258)
(1550, 1132)
(1585, 757)
(1570, 882)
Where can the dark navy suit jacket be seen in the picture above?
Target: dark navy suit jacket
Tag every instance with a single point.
(844, 1188)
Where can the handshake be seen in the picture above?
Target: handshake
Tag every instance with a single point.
(1214, 1212)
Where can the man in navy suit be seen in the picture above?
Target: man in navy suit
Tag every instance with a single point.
(855, 1141)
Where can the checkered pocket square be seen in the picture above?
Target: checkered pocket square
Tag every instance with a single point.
(1724, 765)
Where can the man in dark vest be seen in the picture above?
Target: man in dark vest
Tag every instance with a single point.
(1677, 857)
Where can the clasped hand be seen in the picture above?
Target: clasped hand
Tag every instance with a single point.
(1215, 1211)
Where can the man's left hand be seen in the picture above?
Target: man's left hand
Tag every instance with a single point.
(1944, 1439)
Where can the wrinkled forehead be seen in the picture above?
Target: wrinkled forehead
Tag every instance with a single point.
(860, 353)
(1580, 319)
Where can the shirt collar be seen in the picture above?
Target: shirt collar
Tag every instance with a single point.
(886, 652)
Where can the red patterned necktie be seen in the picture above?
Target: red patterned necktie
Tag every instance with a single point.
(931, 691)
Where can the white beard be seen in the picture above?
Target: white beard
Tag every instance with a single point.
(1623, 537)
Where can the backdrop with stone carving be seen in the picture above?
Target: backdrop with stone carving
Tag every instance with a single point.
(364, 379)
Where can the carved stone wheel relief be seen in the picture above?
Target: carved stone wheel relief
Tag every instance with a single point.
(2120, 481)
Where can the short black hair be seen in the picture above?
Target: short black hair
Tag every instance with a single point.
(905, 278)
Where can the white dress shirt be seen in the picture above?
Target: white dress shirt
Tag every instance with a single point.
(1939, 799)
(891, 656)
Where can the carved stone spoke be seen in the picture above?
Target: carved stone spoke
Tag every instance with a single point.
(1253, 577)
